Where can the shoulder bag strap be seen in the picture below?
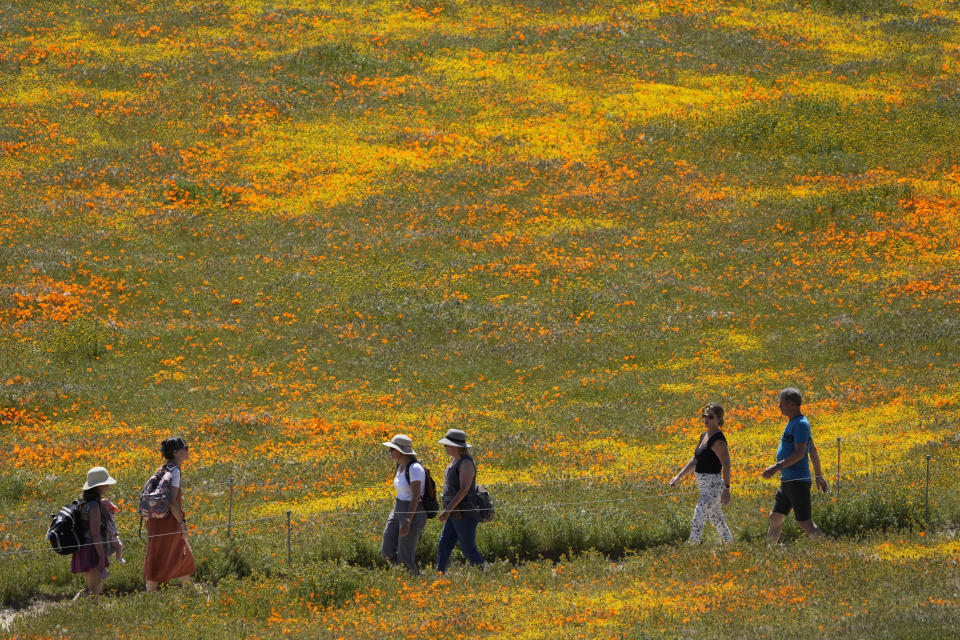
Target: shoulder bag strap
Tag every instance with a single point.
(473, 485)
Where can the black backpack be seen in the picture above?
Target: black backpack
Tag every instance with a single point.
(429, 501)
(65, 533)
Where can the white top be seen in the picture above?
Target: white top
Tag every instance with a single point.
(404, 491)
(175, 477)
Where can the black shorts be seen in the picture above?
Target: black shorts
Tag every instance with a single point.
(794, 495)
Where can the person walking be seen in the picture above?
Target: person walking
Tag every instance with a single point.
(794, 455)
(710, 461)
(407, 520)
(168, 554)
(91, 559)
(459, 515)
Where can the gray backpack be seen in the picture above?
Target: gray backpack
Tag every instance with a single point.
(155, 497)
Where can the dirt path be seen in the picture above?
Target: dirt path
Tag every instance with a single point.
(7, 616)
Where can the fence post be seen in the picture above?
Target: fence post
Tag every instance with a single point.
(838, 467)
(230, 511)
(926, 494)
(289, 563)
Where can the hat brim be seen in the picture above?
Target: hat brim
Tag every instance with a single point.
(465, 445)
(398, 448)
(87, 486)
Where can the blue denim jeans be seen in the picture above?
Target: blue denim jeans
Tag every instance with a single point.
(463, 531)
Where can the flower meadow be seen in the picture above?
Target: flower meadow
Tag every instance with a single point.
(287, 230)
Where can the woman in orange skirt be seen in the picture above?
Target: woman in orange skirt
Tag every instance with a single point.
(168, 552)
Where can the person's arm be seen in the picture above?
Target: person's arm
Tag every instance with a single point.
(687, 468)
(723, 454)
(414, 503)
(815, 460)
(94, 524)
(800, 450)
(175, 509)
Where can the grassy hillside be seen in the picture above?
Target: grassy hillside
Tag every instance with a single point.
(288, 230)
(887, 587)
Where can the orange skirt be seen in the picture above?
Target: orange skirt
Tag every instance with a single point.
(169, 554)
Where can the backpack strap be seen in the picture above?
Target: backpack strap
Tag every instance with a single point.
(456, 468)
(82, 506)
(406, 470)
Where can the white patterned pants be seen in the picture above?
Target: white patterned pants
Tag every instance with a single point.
(711, 488)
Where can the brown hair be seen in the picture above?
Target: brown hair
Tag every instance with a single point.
(716, 410)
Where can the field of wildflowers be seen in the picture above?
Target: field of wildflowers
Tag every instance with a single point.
(287, 230)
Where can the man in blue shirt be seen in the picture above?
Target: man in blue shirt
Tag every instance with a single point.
(796, 444)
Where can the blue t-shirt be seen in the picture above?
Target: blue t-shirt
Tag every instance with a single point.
(797, 430)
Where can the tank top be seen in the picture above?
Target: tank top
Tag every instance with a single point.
(85, 510)
(707, 460)
(451, 482)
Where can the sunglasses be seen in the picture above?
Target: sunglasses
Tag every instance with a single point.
(709, 416)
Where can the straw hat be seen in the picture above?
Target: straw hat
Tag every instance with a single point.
(456, 438)
(401, 443)
(96, 477)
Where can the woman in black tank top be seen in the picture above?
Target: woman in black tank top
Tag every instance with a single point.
(710, 460)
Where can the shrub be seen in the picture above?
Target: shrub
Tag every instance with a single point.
(880, 510)
(216, 565)
(864, 7)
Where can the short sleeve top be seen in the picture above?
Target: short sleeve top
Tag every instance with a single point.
(404, 488)
(796, 431)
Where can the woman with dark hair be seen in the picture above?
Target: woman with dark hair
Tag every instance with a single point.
(168, 554)
(407, 520)
(710, 460)
(459, 515)
(91, 559)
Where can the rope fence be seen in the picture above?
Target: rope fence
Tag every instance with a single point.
(617, 476)
(553, 481)
(584, 506)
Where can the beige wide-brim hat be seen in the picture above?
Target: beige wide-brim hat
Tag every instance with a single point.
(401, 443)
(456, 438)
(96, 477)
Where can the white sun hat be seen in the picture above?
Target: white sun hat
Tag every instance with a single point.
(98, 476)
(401, 443)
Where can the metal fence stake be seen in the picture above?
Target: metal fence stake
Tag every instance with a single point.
(289, 563)
(838, 466)
(230, 511)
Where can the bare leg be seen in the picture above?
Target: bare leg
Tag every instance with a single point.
(776, 526)
(152, 585)
(94, 581)
(811, 528)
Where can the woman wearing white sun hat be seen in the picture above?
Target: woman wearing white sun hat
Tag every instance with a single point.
(91, 558)
(407, 520)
